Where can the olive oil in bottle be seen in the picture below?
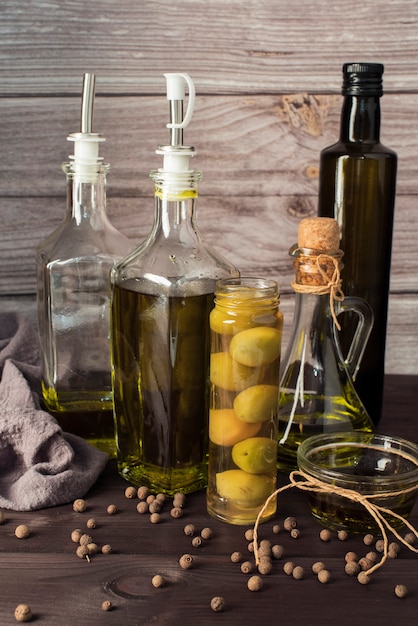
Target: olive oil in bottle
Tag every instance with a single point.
(162, 295)
(357, 184)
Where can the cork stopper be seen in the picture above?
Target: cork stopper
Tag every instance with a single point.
(319, 233)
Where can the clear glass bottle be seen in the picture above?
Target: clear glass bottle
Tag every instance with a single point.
(317, 393)
(162, 295)
(246, 335)
(73, 289)
(357, 185)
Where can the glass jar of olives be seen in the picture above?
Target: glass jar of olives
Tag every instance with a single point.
(246, 334)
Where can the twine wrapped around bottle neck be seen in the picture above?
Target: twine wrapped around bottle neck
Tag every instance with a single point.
(318, 273)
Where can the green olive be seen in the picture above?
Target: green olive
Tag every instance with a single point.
(257, 403)
(256, 455)
(226, 429)
(246, 490)
(256, 346)
(229, 374)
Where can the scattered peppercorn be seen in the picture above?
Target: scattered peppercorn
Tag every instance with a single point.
(250, 546)
(196, 542)
(380, 545)
(276, 529)
(176, 512)
(289, 523)
(131, 492)
(363, 578)
(85, 539)
(112, 509)
(325, 535)
(91, 523)
(277, 551)
(107, 605)
(76, 534)
(22, 531)
(189, 530)
(365, 563)
(342, 535)
(206, 533)
(79, 505)
(161, 498)
(351, 556)
(155, 518)
(150, 498)
(298, 572)
(394, 546)
(324, 576)
(142, 507)
(179, 500)
(106, 549)
(143, 493)
(23, 613)
(352, 568)
(217, 604)
(83, 552)
(401, 591)
(368, 539)
(317, 567)
(265, 566)
(288, 567)
(158, 581)
(249, 534)
(93, 548)
(186, 561)
(410, 538)
(236, 557)
(295, 533)
(155, 506)
(247, 567)
(372, 556)
(255, 583)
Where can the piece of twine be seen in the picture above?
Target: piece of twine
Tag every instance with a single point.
(306, 482)
(331, 285)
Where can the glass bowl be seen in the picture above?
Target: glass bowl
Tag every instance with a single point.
(365, 463)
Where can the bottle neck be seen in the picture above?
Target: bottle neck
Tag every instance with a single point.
(360, 119)
(175, 205)
(86, 197)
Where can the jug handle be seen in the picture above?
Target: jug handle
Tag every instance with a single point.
(361, 333)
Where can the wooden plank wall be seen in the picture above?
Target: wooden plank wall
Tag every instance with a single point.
(267, 75)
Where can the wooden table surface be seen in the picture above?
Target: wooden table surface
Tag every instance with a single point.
(44, 572)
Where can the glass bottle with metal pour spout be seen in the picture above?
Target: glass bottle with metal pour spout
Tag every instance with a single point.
(162, 295)
(316, 384)
(73, 286)
(357, 185)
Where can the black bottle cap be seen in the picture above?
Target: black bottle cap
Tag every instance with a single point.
(362, 79)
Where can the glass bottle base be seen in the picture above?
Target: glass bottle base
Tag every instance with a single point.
(232, 513)
(164, 479)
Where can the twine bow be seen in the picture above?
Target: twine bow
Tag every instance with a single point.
(306, 482)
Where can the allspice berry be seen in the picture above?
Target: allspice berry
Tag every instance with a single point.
(107, 605)
(206, 533)
(23, 613)
(186, 561)
(217, 604)
(131, 492)
(325, 535)
(317, 567)
(324, 576)
(247, 567)
(236, 557)
(76, 534)
(106, 549)
(401, 591)
(298, 572)
(143, 492)
(189, 530)
(363, 578)
(176, 512)
(79, 505)
(112, 509)
(158, 581)
(289, 523)
(277, 551)
(255, 583)
(22, 531)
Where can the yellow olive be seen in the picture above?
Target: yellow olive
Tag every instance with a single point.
(256, 346)
(246, 490)
(226, 429)
(257, 403)
(228, 374)
(256, 455)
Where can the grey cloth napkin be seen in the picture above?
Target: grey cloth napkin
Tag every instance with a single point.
(40, 465)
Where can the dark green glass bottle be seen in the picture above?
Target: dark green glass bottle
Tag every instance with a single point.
(357, 185)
